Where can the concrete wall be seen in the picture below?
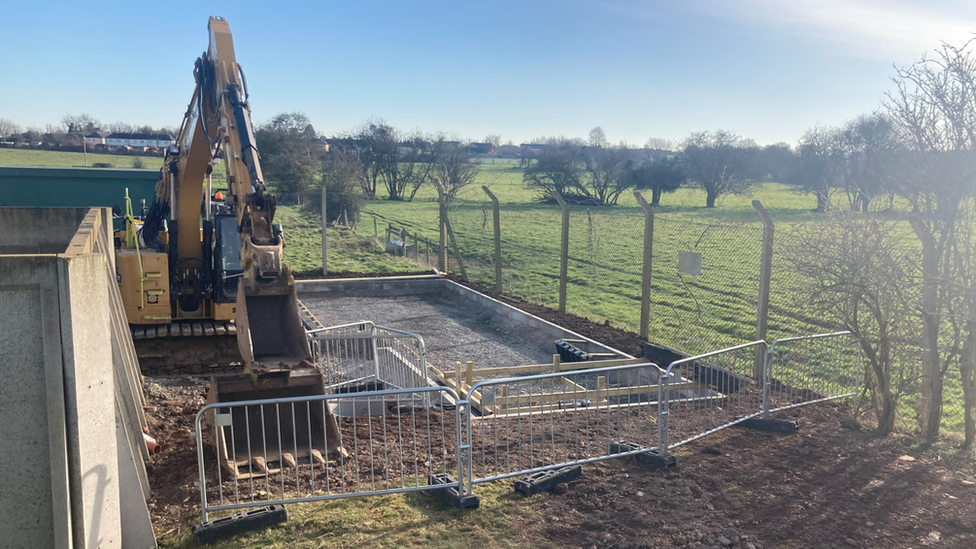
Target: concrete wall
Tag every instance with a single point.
(59, 414)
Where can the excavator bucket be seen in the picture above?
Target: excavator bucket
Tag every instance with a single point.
(261, 438)
(270, 333)
(258, 439)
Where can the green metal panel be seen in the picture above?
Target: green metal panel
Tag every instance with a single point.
(29, 186)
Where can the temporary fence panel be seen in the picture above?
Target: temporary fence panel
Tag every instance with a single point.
(724, 392)
(278, 451)
(808, 369)
(539, 422)
(364, 354)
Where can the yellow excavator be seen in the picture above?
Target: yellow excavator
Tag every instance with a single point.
(196, 275)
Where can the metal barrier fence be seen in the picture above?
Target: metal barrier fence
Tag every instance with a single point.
(304, 449)
(539, 422)
(723, 392)
(804, 370)
(293, 450)
(369, 356)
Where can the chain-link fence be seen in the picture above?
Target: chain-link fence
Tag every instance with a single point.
(706, 275)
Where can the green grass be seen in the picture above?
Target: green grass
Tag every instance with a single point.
(403, 520)
(27, 157)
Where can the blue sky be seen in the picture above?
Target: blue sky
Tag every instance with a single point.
(767, 69)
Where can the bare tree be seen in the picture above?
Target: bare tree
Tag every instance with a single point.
(659, 143)
(342, 176)
(933, 108)
(603, 174)
(8, 128)
(819, 165)
(858, 272)
(121, 127)
(556, 168)
(495, 141)
(82, 123)
(598, 137)
(869, 145)
(720, 163)
(452, 169)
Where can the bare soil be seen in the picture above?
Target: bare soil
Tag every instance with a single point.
(826, 486)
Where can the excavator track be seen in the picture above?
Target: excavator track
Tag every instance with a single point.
(195, 347)
(206, 328)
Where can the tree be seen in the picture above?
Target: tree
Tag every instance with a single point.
(720, 163)
(8, 128)
(82, 123)
(659, 143)
(660, 176)
(776, 162)
(495, 141)
(603, 169)
(290, 154)
(121, 127)
(857, 271)
(452, 169)
(598, 137)
(556, 169)
(933, 109)
(819, 165)
(31, 134)
(870, 147)
(342, 175)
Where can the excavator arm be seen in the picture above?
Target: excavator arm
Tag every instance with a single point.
(218, 124)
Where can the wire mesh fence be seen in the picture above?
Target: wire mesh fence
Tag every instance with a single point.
(705, 275)
(705, 285)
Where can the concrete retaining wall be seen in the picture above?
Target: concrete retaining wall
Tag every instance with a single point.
(401, 286)
(63, 451)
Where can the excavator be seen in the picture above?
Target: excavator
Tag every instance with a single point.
(194, 273)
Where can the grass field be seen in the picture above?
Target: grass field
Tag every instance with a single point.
(27, 157)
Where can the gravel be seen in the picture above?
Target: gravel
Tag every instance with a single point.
(453, 330)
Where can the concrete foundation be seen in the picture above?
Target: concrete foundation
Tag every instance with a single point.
(456, 322)
(66, 406)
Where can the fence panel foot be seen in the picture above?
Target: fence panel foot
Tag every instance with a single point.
(546, 480)
(450, 494)
(651, 457)
(772, 425)
(238, 523)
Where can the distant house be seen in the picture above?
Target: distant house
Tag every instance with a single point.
(117, 140)
(479, 149)
(96, 138)
(507, 151)
(531, 149)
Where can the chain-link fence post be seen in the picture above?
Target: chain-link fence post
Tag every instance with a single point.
(645, 311)
(442, 229)
(325, 223)
(563, 252)
(495, 216)
(765, 272)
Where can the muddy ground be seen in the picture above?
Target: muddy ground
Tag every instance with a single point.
(832, 484)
